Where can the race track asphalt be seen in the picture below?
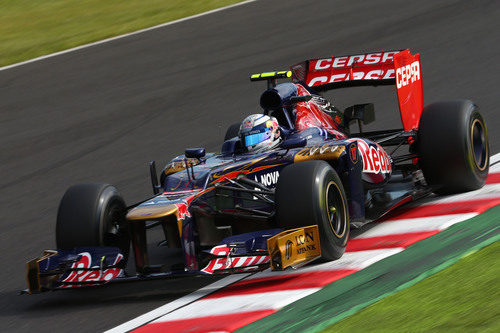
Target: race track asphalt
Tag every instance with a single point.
(101, 113)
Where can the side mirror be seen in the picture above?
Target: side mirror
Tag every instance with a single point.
(361, 112)
(294, 143)
(195, 152)
(154, 178)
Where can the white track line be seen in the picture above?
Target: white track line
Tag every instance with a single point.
(494, 159)
(272, 300)
(177, 304)
(490, 191)
(350, 260)
(420, 224)
(495, 167)
(123, 36)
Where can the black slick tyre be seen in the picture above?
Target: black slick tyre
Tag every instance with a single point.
(232, 131)
(311, 193)
(453, 146)
(92, 215)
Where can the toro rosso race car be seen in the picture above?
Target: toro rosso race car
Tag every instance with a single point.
(240, 210)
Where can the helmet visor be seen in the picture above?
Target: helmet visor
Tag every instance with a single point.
(253, 139)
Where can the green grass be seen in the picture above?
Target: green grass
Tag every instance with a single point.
(462, 298)
(31, 28)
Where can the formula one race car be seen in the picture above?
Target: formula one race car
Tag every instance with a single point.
(238, 211)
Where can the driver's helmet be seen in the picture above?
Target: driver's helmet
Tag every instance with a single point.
(259, 133)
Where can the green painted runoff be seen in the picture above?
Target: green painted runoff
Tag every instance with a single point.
(463, 297)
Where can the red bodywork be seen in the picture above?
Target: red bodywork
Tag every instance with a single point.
(393, 67)
(310, 115)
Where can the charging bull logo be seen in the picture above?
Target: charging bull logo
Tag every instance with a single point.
(183, 207)
(85, 272)
(247, 124)
(182, 211)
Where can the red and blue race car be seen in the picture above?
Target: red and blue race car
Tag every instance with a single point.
(238, 211)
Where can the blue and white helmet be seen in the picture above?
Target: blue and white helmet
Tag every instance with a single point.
(259, 133)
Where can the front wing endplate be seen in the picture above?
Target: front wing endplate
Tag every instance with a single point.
(294, 248)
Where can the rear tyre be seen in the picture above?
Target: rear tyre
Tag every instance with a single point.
(453, 146)
(311, 193)
(232, 131)
(92, 215)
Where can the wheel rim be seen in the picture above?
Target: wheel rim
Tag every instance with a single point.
(479, 144)
(335, 207)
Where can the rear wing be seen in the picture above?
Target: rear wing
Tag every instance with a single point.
(372, 69)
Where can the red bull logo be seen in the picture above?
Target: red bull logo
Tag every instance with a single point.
(94, 275)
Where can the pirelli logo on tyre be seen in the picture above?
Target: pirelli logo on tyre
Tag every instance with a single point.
(294, 248)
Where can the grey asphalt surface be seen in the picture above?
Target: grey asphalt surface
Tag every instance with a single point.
(101, 113)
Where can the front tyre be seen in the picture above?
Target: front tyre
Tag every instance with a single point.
(311, 193)
(92, 215)
(453, 146)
